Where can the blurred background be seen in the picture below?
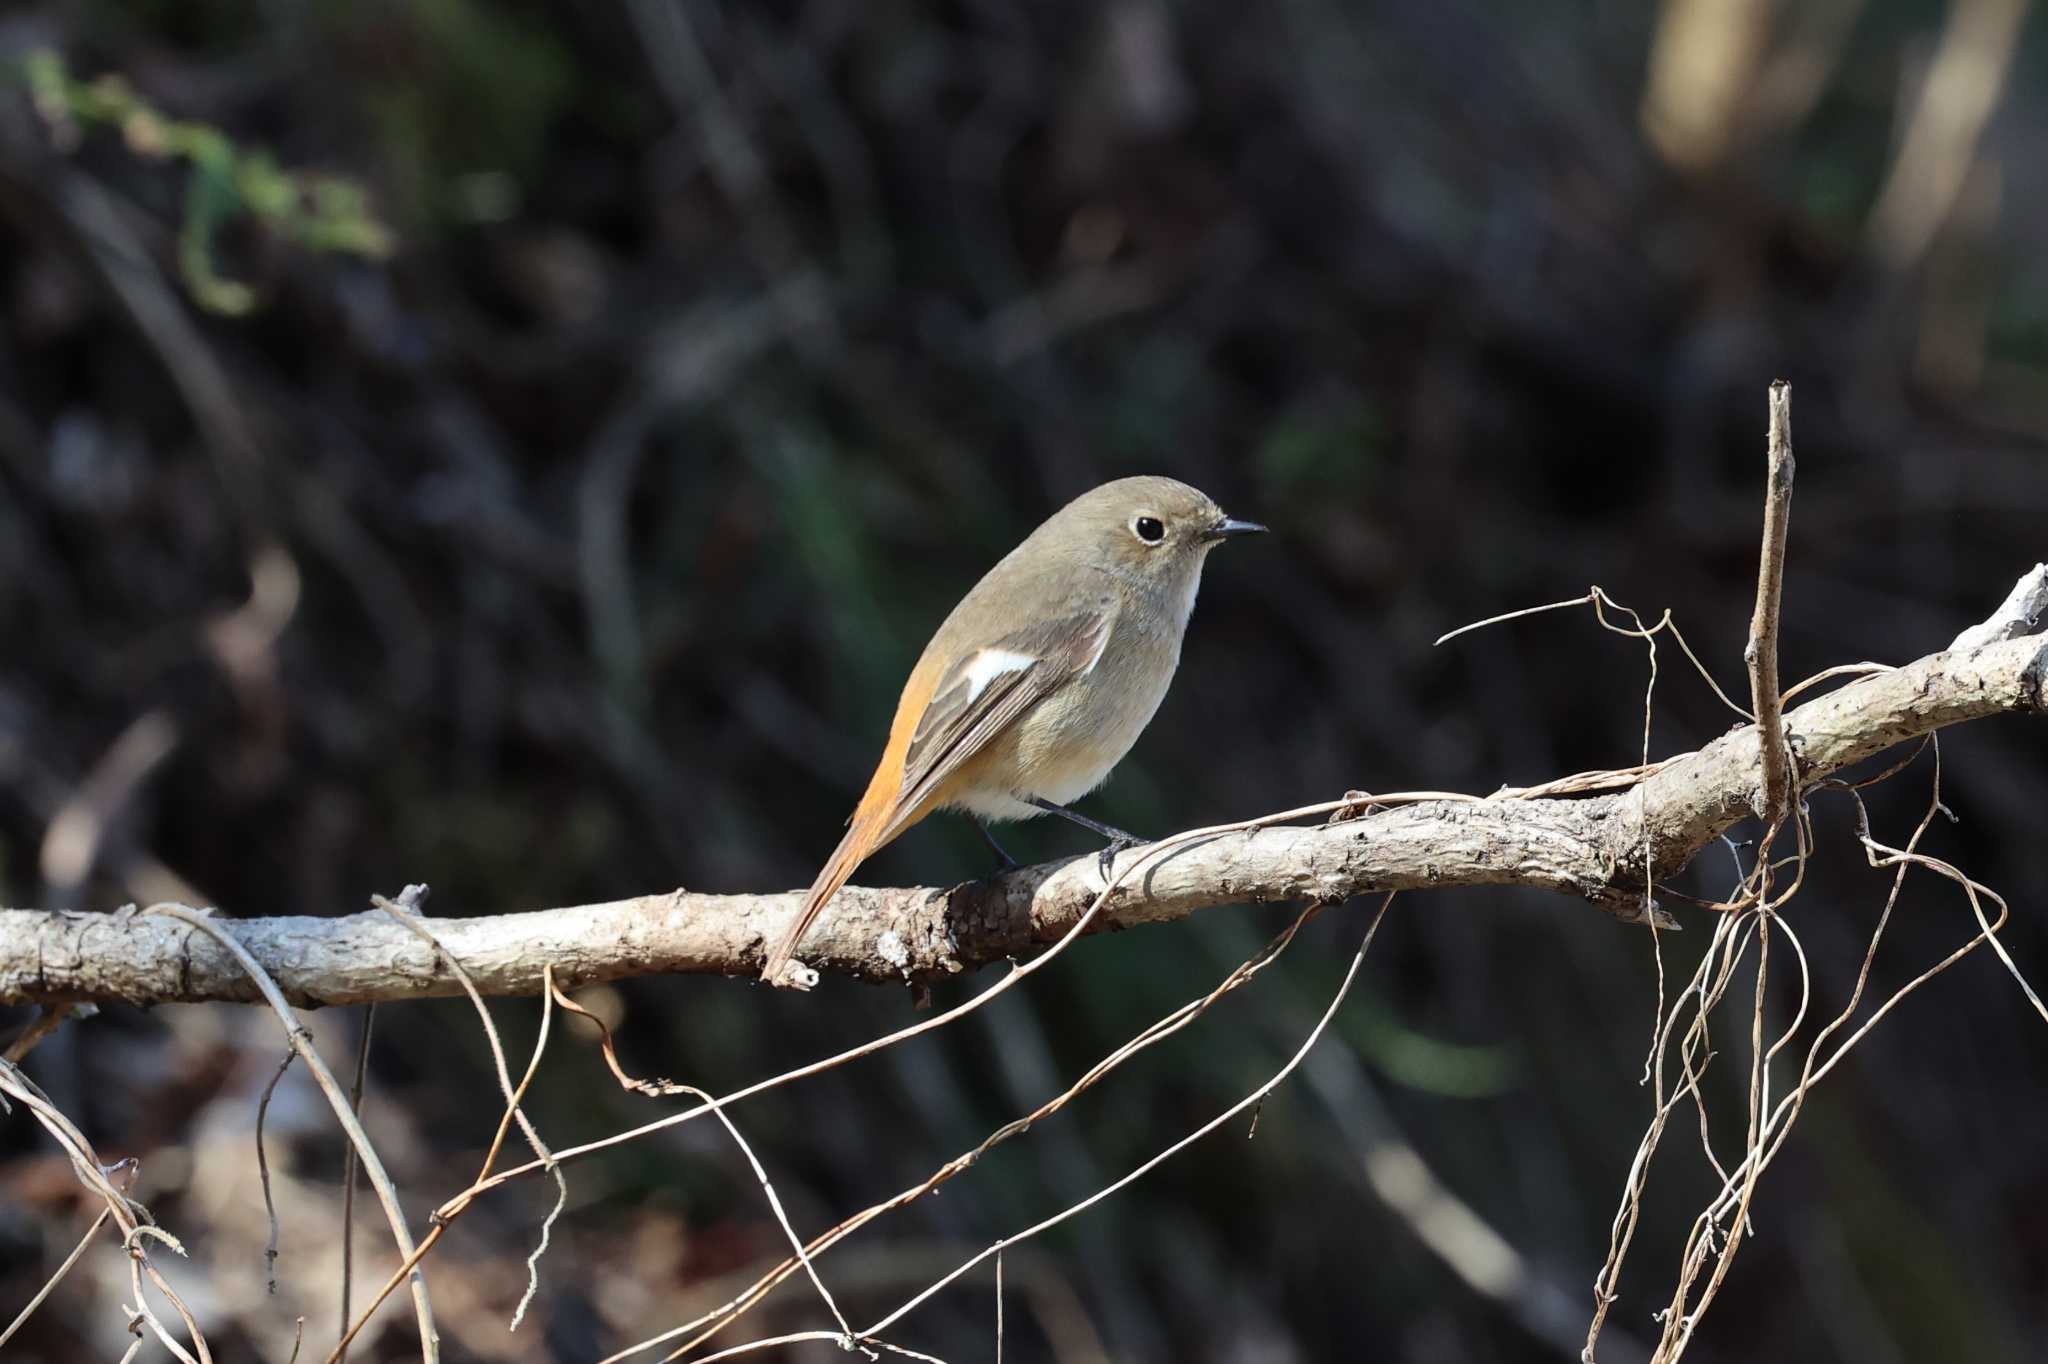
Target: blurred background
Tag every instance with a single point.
(521, 447)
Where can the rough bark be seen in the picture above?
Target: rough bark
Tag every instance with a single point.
(1596, 848)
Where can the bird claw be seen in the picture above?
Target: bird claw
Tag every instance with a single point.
(1105, 861)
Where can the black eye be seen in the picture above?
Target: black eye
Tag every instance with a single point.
(1150, 529)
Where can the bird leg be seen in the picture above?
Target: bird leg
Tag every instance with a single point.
(1004, 862)
(1118, 839)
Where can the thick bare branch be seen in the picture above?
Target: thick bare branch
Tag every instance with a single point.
(1590, 847)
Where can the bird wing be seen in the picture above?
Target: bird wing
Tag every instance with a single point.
(970, 705)
(983, 692)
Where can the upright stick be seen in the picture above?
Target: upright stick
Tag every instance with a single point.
(1761, 653)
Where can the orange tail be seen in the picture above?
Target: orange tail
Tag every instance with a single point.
(876, 820)
(863, 838)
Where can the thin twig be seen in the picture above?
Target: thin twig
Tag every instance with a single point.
(302, 1043)
(49, 1017)
(348, 1173)
(137, 1267)
(1761, 653)
(1718, 1229)
(721, 1317)
(1128, 865)
(663, 1088)
(1678, 1322)
(50, 1284)
(405, 910)
(130, 1217)
(547, 1224)
(263, 1175)
(798, 1337)
(1597, 598)
(1257, 1095)
(497, 1143)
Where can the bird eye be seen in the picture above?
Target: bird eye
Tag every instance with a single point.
(1150, 529)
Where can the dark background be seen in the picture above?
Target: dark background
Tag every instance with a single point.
(575, 546)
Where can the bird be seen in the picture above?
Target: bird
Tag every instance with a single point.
(1041, 679)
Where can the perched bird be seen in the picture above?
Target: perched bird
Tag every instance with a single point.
(1042, 678)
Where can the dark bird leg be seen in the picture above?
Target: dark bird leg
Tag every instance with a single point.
(1118, 839)
(1004, 862)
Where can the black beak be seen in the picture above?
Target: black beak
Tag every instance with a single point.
(1229, 527)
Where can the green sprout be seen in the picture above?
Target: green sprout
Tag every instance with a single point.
(322, 213)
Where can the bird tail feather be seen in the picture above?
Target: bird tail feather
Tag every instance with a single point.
(866, 834)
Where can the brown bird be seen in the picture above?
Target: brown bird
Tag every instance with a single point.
(1042, 678)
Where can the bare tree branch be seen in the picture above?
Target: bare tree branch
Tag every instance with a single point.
(1761, 653)
(2021, 613)
(1591, 847)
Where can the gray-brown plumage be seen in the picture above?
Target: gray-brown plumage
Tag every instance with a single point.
(1043, 676)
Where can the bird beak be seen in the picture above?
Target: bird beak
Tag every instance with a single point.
(1229, 527)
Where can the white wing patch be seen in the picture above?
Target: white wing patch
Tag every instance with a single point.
(989, 664)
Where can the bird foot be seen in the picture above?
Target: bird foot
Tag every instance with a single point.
(1105, 861)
